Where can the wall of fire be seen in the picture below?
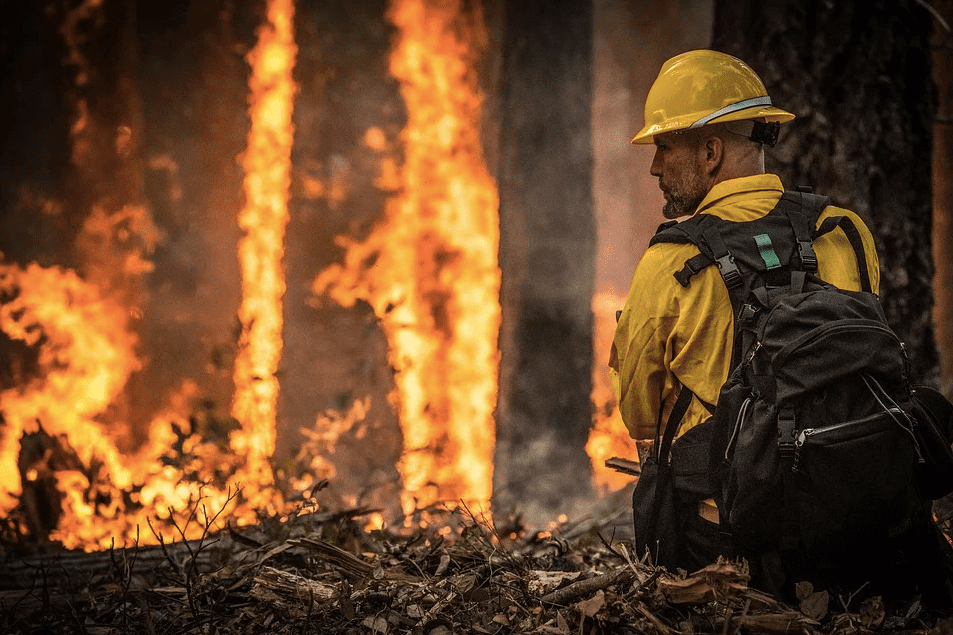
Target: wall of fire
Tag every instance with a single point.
(454, 172)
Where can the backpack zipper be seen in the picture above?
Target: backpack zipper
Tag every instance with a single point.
(751, 353)
(809, 432)
(739, 422)
(831, 330)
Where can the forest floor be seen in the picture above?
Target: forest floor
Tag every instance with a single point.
(323, 572)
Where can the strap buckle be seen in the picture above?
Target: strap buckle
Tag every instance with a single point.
(808, 258)
(747, 313)
(787, 426)
(729, 271)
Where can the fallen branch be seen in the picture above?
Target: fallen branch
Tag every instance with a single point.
(587, 586)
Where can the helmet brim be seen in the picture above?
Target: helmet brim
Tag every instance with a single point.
(768, 113)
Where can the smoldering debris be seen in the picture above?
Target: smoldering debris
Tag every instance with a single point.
(461, 573)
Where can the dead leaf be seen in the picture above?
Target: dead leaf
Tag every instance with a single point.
(716, 581)
(591, 606)
(544, 582)
(438, 627)
(500, 618)
(376, 624)
(444, 565)
(561, 622)
(347, 607)
(803, 589)
(464, 582)
(815, 605)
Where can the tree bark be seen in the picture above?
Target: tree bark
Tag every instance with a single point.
(857, 75)
(547, 256)
(943, 188)
(334, 356)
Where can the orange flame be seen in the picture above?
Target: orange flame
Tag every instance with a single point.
(267, 164)
(86, 355)
(608, 436)
(84, 361)
(82, 331)
(430, 268)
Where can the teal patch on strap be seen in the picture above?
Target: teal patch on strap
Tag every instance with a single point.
(767, 251)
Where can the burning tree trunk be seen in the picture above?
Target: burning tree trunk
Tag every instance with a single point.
(336, 357)
(857, 75)
(547, 255)
(194, 86)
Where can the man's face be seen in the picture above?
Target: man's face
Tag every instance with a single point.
(679, 169)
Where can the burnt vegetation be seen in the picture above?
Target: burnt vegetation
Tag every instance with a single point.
(458, 572)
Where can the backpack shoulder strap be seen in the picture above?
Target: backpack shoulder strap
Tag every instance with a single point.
(665, 436)
(803, 208)
(702, 231)
(853, 236)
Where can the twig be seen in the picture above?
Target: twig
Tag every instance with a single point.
(585, 587)
(628, 559)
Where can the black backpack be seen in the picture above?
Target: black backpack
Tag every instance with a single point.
(823, 455)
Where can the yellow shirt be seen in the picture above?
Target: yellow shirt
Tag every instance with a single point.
(669, 336)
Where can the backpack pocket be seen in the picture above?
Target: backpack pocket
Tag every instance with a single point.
(654, 513)
(690, 464)
(736, 396)
(854, 476)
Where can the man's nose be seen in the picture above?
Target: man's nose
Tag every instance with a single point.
(656, 169)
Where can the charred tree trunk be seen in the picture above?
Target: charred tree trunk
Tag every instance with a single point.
(943, 188)
(547, 256)
(334, 356)
(34, 134)
(193, 82)
(857, 75)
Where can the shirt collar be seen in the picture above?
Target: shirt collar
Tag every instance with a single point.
(728, 192)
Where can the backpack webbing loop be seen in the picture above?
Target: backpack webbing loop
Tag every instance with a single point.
(692, 266)
(663, 445)
(787, 456)
(766, 249)
(805, 243)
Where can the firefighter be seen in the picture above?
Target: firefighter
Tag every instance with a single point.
(709, 117)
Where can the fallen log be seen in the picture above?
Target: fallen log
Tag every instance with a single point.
(65, 569)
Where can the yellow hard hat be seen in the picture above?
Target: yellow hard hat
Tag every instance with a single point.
(702, 87)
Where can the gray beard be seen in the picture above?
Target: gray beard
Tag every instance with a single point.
(679, 205)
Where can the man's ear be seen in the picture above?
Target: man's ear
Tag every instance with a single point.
(713, 153)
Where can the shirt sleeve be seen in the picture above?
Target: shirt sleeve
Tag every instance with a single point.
(669, 336)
